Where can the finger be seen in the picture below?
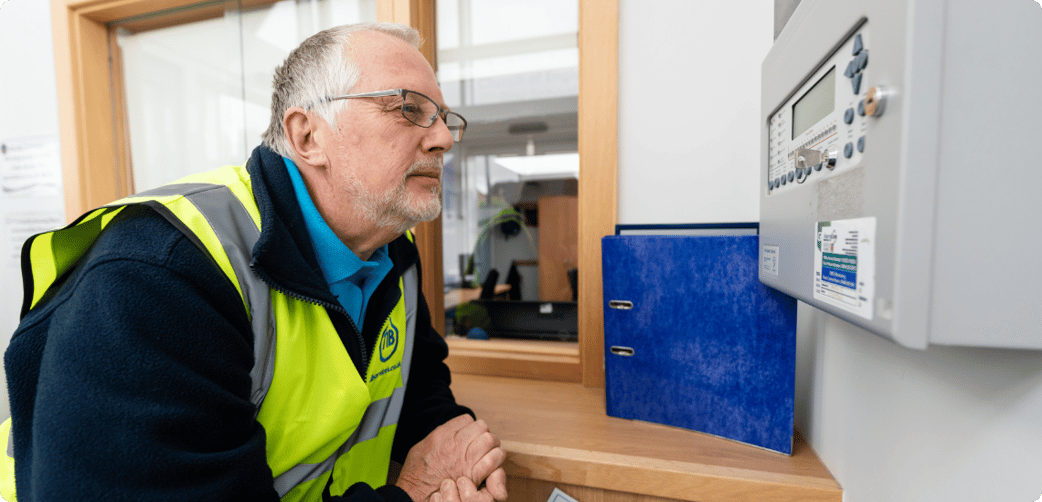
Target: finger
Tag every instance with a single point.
(447, 492)
(496, 484)
(469, 492)
(488, 464)
(471, 431)
(481, 446)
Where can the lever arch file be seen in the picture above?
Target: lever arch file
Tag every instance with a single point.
(694, 340)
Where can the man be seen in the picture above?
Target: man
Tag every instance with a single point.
(257, 332)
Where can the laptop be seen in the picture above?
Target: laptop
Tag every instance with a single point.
(532, 320)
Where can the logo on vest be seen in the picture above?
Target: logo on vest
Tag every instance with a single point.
(388, 342)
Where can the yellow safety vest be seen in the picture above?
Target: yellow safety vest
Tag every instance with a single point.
(322, 421)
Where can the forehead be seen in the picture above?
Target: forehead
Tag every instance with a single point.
(387, 62)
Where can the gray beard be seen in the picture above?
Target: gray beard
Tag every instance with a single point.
(395, 209)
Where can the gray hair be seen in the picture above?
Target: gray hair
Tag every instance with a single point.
(318, 69)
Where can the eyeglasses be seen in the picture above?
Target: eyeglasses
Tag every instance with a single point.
(418, 109)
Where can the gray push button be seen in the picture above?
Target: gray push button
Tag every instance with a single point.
(848, 116)
(792, 175)
(861, 108)
(848, 150)
(858, 44)
(856, 83)
(861, 144)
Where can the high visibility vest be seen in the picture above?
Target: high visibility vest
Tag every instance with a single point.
(324, 424)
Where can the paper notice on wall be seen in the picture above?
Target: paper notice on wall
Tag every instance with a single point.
(29, 167)
(21, 226)
(844, 264)
(30, 193)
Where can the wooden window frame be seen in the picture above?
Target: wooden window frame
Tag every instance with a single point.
(96, 163)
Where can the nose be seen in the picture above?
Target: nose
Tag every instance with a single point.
(437, 138)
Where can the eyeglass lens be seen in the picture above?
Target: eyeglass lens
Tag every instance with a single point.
(423, 111)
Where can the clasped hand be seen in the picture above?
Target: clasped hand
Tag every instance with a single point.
(453, 461)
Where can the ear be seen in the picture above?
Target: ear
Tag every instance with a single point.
(302, 132)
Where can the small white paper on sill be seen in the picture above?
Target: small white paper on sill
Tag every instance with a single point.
(558, 496)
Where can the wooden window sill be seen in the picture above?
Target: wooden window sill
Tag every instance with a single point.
(542, 360)
(517, 358)
(557, 433)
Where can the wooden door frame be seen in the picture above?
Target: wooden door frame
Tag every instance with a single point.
(95, 163)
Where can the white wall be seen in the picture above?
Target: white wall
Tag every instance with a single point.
(894, 424)
(28, 109)
(689, 72)
(891, 424)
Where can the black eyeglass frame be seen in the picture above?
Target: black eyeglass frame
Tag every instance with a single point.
(457, 133)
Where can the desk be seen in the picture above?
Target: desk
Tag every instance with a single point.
(457, 296)
(557, 434)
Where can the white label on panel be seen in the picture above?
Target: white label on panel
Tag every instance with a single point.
(769, 260)
(844, 264)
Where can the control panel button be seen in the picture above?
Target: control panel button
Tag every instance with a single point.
(783, 179)
(856, 83)
(862, 60)
(861, 108)
(851, 69)
(792, 175)
(861, 144)
(848, 116)
(770, 184)
(848, 150)
(858, 44)
(817, 167)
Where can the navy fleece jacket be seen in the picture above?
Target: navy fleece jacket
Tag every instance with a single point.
(131, 382)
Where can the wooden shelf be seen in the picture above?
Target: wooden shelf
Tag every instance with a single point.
(557, 433)
(536, 359)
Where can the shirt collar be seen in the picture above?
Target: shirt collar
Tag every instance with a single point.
(336, 260)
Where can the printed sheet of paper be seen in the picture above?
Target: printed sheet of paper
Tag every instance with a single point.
(29, 167)
(30, 192)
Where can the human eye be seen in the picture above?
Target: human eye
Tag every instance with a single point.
(412, 109)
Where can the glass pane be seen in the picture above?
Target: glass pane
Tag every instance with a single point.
(511, 68)
(198, 94)
(495, 51)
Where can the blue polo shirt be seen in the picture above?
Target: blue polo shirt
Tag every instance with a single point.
(350, 279)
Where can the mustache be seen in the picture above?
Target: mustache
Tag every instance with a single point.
(426, 167)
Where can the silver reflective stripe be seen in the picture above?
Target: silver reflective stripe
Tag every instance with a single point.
(176, 189)
(411, 285)
(238, 234)
(380, 413)
(376, 416)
